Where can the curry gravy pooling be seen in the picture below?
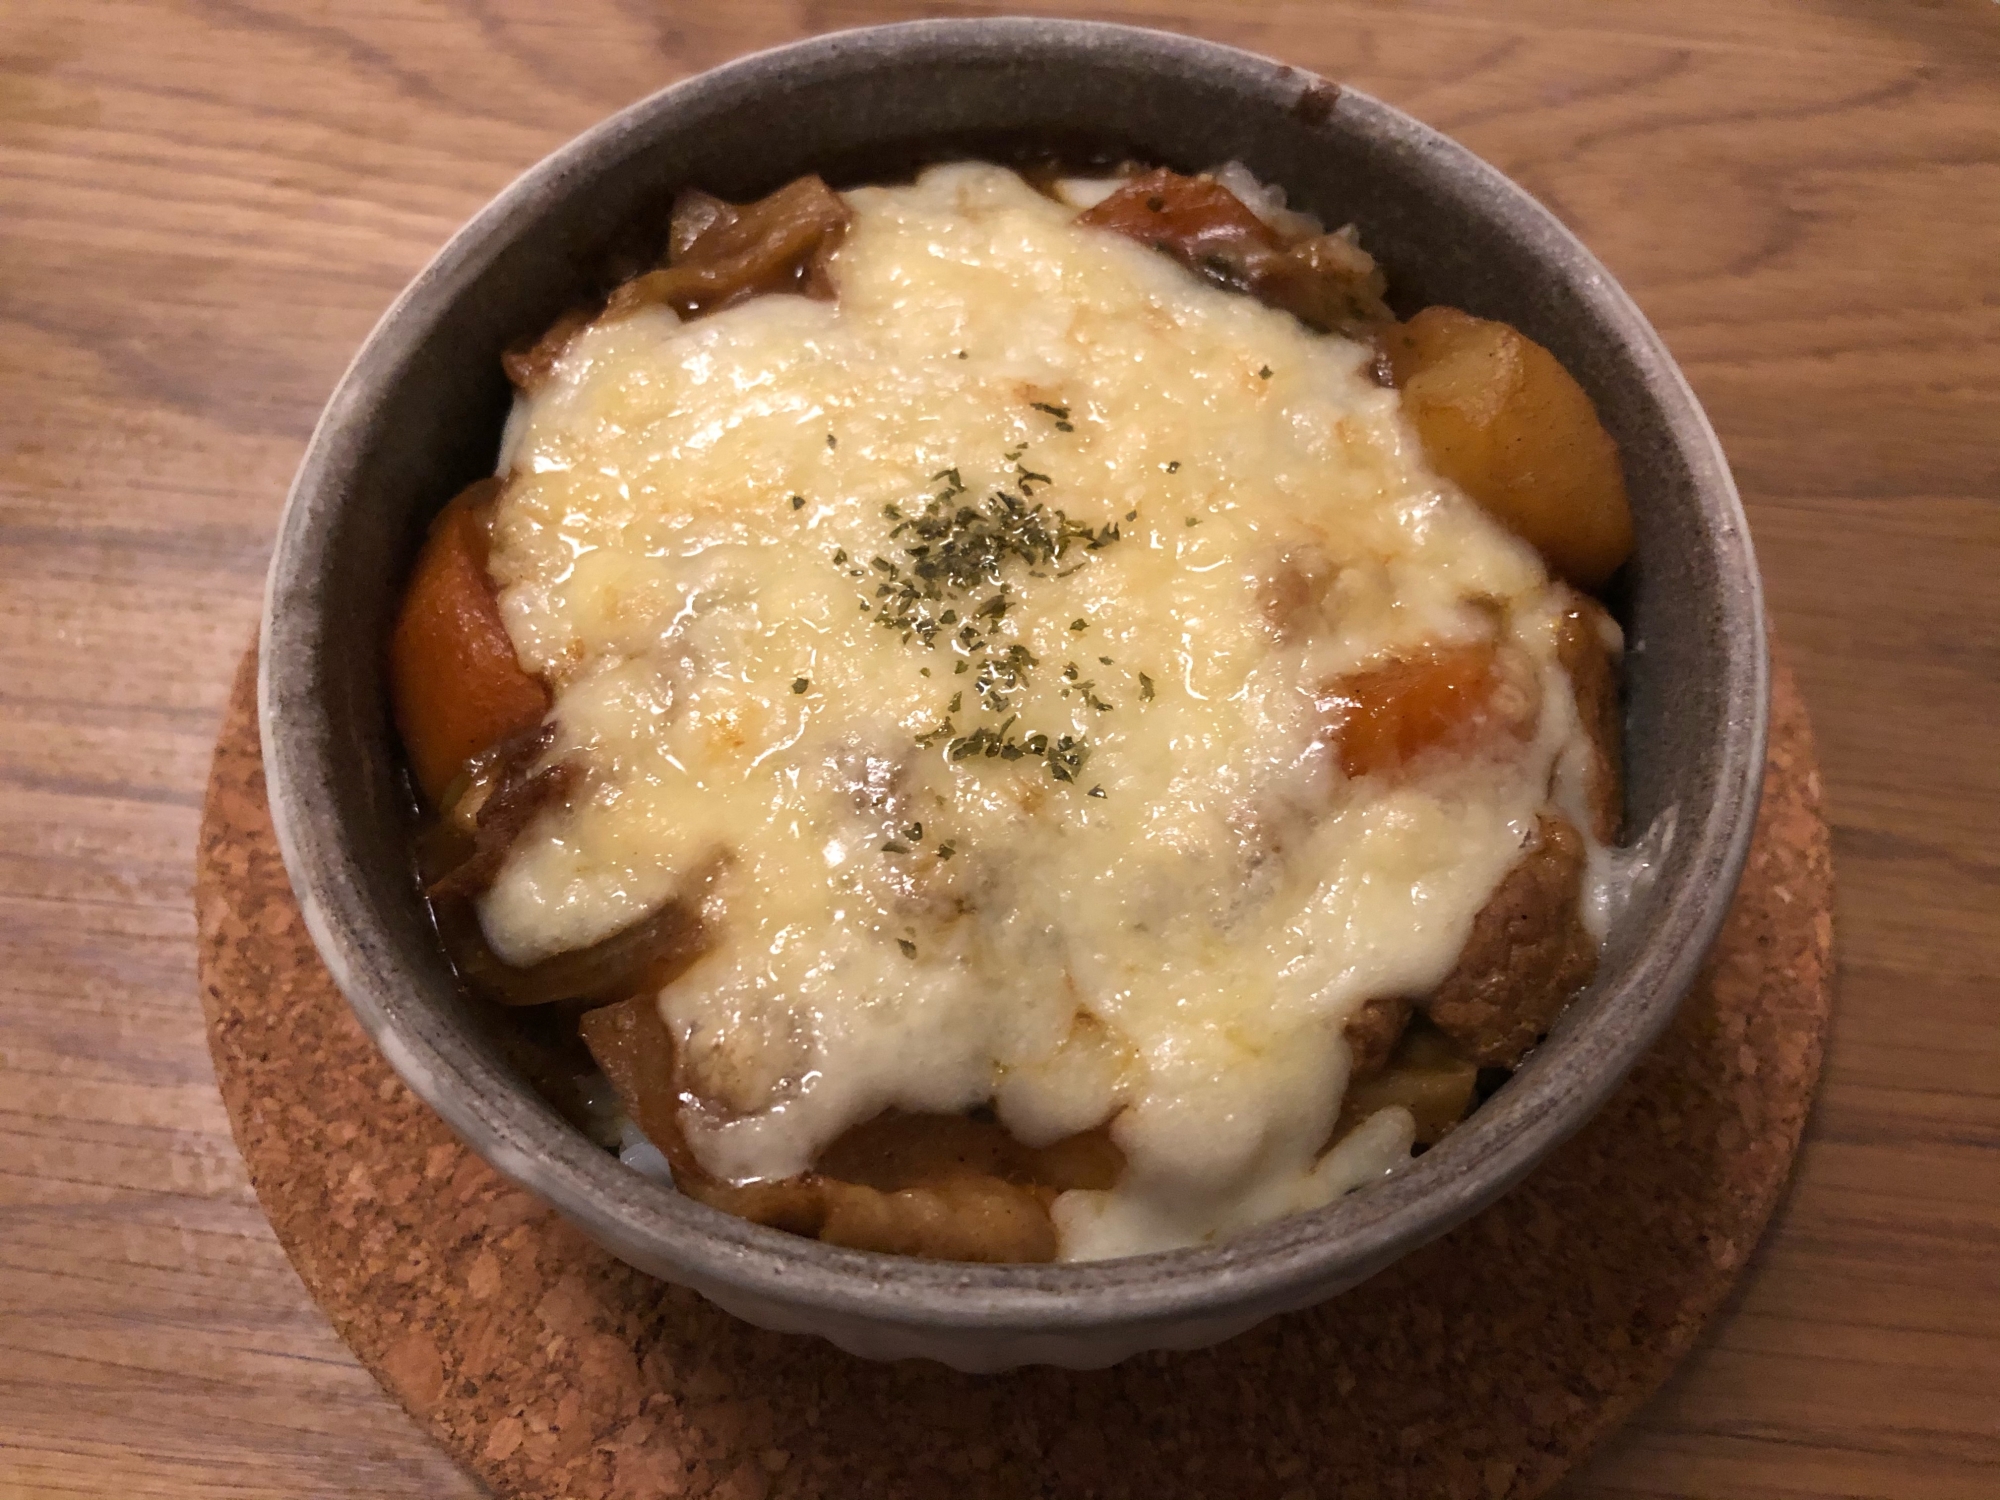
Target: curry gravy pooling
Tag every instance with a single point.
(950, 644)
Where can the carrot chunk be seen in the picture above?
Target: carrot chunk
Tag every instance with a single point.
(456, 686)
(1453, 698)
(1190, 218)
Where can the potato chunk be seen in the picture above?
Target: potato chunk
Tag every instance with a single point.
(1425, 1075)
(455, 683)
(1500, 417)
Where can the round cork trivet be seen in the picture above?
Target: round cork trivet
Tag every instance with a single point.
(1482, 1366)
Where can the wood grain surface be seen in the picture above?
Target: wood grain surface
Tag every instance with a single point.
(204, 205)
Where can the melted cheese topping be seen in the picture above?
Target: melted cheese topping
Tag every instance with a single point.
(1171, 939)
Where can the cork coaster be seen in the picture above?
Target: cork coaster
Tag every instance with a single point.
(1482, 1366)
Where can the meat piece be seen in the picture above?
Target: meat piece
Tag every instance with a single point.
(530, 365)
(643, 958)
(942, 1186)
(895, 1150)
(1454, 698)
(946, 1187)
(1425, 1075)
(1372, 1033)
(1593, 674)
(455, 684)
(717, 254)
(967, 1219)
(720, 253)
(1528, 954)
(634, 1046)
(696, 217)
(1501, 418)
(1196, 220)
(1328, 281)
(1089, 1160)
(507, 791)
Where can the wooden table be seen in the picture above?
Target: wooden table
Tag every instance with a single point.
(204, 205)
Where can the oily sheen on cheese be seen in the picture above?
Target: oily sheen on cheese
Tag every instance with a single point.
(1161, 916)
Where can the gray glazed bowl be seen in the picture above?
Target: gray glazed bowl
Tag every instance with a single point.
(419, 413)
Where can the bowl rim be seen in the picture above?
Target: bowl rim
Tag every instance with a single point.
(1270, 1266)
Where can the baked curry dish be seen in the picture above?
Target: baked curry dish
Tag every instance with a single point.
(1011, 718)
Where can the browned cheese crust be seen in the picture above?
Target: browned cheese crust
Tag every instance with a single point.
(1528, 954)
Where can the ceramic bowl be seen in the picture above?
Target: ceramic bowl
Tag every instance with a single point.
(419, 414)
